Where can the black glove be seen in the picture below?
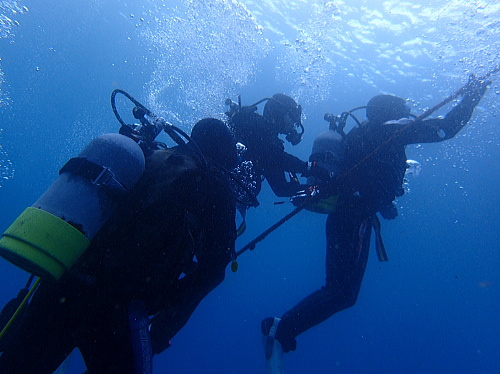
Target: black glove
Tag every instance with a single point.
(389, 211)
(476, 88)
(301, 196)
(315, 169)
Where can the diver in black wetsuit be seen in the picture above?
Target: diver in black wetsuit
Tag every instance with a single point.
(371, 178)
(180, 209)
(260, 135)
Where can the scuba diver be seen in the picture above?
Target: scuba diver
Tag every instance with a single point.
(370, 178)
(260, 135)
(165, 247)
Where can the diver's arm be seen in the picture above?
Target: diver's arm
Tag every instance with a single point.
(440, 129)
(275, 169)
(217, 213)
(281, 186)
(183, 300)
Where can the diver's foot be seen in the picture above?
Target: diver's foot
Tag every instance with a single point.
(273, 348)
(269, 326)
(282, 334)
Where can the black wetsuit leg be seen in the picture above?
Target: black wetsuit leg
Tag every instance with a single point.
(65, 315)
(106, 343)
(348, 232)
(44, 337)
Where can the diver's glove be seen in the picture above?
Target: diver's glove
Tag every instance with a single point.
(316, 200)
(315, 169)
(389, 211)
(476, 89)
(305, 195)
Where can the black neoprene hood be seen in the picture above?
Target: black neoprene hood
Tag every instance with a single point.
(382, 108)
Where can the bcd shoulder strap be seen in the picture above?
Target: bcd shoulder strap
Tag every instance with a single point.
(166, 165)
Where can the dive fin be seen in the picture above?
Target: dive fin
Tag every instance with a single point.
(63, 368)
(274, 364)
(274, 351)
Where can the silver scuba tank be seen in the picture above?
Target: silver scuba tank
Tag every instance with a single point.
(48, 237)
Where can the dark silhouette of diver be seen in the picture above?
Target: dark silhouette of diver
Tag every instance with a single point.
(260, 135)
(371, 177)
(182, 209)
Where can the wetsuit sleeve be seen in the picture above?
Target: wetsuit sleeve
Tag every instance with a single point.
(185, 297)
(275, 174)
(217, 213)
(276, 163)
(267, 152)
(440, 129)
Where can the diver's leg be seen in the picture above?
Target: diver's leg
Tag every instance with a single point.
(43, 340)
(116, 341)
(348, 239)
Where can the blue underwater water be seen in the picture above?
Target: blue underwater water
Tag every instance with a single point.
(432, 308)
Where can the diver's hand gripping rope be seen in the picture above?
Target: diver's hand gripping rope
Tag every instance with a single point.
(459, 92)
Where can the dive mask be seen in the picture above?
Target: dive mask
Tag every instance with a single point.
(294, 136)
(293, 124)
